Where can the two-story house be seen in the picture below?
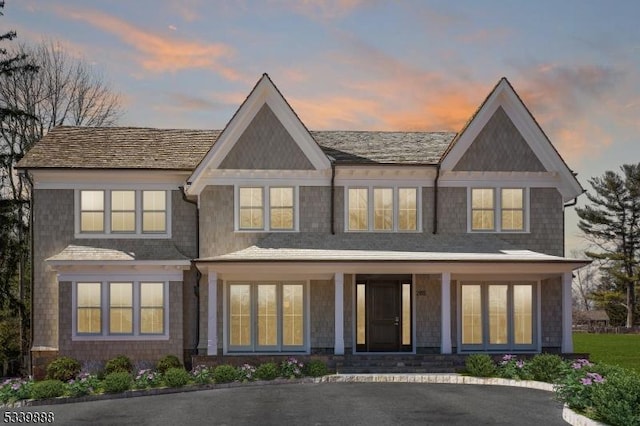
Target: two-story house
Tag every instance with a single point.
(268, 239)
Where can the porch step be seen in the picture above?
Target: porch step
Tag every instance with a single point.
(400, 363)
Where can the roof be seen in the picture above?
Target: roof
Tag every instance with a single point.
(120, 251)
(585, 316)
(379, 247)
(182, 149)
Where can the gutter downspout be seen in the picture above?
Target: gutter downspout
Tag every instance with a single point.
(196, 288)
(333, 191)
(435, 200)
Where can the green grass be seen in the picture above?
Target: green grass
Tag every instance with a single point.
(614, 349)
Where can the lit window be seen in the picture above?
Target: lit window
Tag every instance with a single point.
(91, 211)
(89, 313)
(407, 209)
(358, 209)
(154, 211)
(251, 208)
(512, 209)
(120, 308)
(151, 308)
(471, 315)
(383, 209)
(281, 208)
(482, 209)
(123, 211)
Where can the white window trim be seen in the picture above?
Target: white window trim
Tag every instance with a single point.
(107, 215)
(485, 346)
(253, 349)
(497, 210)
(266, 207)
(104, 309)
(396, 208)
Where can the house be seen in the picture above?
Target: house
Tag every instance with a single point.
(268, 239)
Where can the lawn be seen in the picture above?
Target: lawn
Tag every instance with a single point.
(614, 349)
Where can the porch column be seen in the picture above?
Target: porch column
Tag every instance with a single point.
(338, 346)
(445, 309)
(212, 314)
(567, 306)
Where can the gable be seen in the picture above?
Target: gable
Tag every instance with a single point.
(499, 147)
(266, 145)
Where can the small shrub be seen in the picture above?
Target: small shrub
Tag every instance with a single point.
(480, 365)
(47, 389)
(167, 362)
(246, 373)
(547, 368)
(119, 364)
(147, 379)
(225, 374)
(84, 384)
(117, 382)
(316, 368)
(63, 368)
(511, 367)
(291, 368)
(201, 374)
(267, 371)
(13, 390)
(616, 401)
(575, 389)
(176, 377)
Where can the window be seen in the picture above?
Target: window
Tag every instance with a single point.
(91, 211)
(382, 209)
(498, 210)
(266, 208)
(131, 310)
(497, 316)
(88, 312)
(266, 317)
(109, 213)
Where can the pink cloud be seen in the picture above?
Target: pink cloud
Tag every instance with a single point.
(320, 9)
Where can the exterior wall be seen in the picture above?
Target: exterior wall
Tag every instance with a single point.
(322, 320)
(551, 312)
(427, 210)
(315, 209)
(204, 312)
(499, 147)
(452, 210)
(427, 313)
(137, 350)
(266, 145)
(339, 208)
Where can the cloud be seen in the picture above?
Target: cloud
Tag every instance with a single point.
(172, 27)
(180, 101)
(320, 9)
(158, 53)
(484, 36)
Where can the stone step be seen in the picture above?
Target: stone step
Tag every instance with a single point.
(394, 369)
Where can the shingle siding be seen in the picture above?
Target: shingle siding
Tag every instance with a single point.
(427, 295)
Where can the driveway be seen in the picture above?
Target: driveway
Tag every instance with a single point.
(324, 404)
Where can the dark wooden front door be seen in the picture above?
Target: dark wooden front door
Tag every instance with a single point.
(384, 316)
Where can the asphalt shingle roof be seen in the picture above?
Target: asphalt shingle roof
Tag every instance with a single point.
(182, 149)
(120, 250)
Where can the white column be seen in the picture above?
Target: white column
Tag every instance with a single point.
(445, 303)
(567, 307)
(338, 346)
(212, 314)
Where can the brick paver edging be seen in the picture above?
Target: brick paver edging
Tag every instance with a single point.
(568, 415)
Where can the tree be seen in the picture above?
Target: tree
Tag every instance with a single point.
(585, 283)
(612, 223)
(64, 91)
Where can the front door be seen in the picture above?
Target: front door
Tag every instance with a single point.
(383, 313)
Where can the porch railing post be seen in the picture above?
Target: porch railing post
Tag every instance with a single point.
(338, 347)
(212, 314)
(445, 304)
(567, 306)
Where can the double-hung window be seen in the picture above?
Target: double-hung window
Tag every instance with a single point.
(382, 209)
(120, 310)
(266, 208)
(111, 212)
(498, 210)
(266, 317)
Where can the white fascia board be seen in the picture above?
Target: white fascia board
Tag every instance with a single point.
(500, 179)
(385, 175)
(267, 177)
(115, 179)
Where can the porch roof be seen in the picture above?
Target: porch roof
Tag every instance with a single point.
(134, 251)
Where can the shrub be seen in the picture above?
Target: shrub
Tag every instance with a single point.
(47, 389)
(119, 364)
(176, 377)
(480, 365)
(147, 379)
(84, 384)
(13, 390)
(316, 368)
(63, 368)
(267, 371)
(291, 368)
(547, 368)
(202, 374)
(575, 389)
(117, 382)
(511, 367)
(225, 374)
(616, 401)
(167, 362)
(246, 373)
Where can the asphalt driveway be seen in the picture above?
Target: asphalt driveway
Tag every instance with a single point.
(324, 404)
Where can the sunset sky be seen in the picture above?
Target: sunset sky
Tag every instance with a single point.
(366, 65)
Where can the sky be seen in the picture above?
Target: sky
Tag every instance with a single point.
(365, 64)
